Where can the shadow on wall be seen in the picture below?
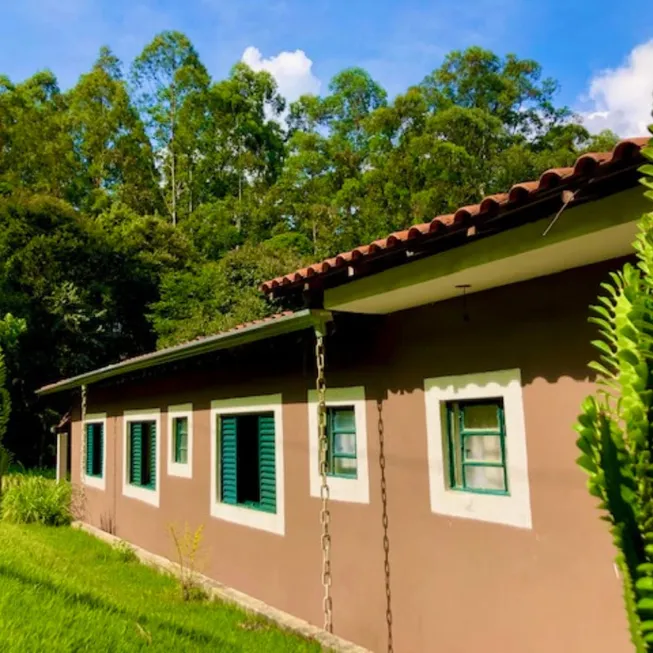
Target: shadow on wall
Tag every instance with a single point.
(539, 326)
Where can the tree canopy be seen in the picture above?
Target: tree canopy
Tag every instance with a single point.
(143, 206)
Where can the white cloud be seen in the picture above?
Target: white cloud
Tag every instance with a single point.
(621, 98)
(292, 71)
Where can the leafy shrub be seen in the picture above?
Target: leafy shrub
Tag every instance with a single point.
(45, 472)
(28, 499)
(615, 434)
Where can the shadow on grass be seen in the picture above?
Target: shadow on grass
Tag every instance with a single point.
(97, 603)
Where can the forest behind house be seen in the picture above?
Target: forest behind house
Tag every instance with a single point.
(143, 206)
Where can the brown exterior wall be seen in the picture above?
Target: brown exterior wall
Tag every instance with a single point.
(456, 585)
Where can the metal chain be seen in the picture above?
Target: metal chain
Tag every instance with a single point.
(325, 516)
(386, 539)
(83, 447)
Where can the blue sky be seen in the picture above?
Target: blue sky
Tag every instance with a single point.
(399, 42)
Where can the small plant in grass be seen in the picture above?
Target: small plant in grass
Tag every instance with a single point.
(187, 545)
(34, 499)
(125, 551)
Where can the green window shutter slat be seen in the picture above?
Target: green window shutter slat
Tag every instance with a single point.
(228, 449)
(100, 442)
(89, 449)
(267, 462)
(152, 445)
(136, 439)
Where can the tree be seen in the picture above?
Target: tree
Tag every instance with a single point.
(241, 147)
(35, 148)
(171, 83)
(89, 309)
(109, 139)
(511, 89)
(216, 296)
(305, 190)
(615, 434)
(10, 330)
(90, 265)
(5, 411)
(354, 95)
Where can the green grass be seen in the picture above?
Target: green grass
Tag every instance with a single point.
(63, 590)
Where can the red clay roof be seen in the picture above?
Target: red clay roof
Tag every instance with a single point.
(587, 166)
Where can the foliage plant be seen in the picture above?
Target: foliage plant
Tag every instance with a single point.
(187, 544)
(615, 434)
(31, 499)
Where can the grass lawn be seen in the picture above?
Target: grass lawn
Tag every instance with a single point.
(64, 590)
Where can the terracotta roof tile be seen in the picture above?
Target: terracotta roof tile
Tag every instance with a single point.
(587, 165)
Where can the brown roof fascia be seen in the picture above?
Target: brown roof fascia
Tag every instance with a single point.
(241, 335)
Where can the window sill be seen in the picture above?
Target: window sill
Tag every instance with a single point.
(250, 516)
(181, 470)
(96, 482)
(149, 495)
(464, 490)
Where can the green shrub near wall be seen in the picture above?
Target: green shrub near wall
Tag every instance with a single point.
(28, 498)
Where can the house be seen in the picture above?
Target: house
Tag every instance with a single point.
(455, 363)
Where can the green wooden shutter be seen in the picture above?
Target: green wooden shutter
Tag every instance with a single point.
(100, 445)
(181, 440)
(228, 448)
(136, 441)
(89, 449)
(267, 462)
(152, 445)
(177, 436)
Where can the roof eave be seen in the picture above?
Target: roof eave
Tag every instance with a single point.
(298, 321)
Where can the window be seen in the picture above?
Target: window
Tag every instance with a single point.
(247, 461)
(141, 455)
(180, 436)
(476, 446)
(95, 459)
(94, 449)
(180, 440)
(476, 443)
(347, 471)
(247, 485)
(341, 449)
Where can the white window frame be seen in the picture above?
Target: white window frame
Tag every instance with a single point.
(250, 517)
(183, 470)
(97, 482)
(352, 490)
(134, 491)
(513, 509)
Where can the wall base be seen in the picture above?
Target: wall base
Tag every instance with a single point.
(247, 603)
